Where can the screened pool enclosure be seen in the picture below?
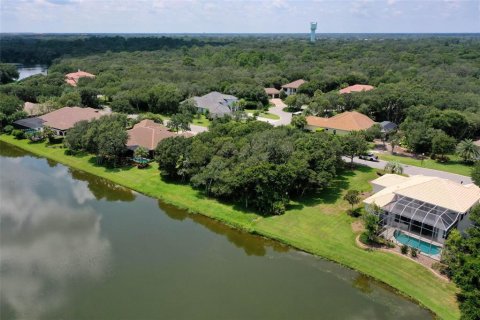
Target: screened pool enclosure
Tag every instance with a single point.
(420, 218)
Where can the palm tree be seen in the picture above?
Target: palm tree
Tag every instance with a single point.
(394, 167)
(468, 151)
(141, 152)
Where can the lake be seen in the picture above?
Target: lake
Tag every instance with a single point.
(74, 246)
(25, 71)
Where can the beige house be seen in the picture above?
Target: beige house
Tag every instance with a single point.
(420, 211)
(292, 87)
(341, 124)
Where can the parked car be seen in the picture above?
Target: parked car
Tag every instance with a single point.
(369, 157)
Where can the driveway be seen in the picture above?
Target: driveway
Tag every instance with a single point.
(413, 170)
(194, 129)
(285, 117)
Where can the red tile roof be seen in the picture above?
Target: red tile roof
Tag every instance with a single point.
(357, 88)
(65, 118)
(271, 91)
(72, 78)
(295, 84)
(148, 134)
(346, 121)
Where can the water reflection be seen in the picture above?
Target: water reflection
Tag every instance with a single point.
(251, 245)
(45, 244)
(12, 152)
(102, 188)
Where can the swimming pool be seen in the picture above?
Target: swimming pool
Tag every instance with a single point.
(423, 246)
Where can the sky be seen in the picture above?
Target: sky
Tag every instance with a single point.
(239, 16)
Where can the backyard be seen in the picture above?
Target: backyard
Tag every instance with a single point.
(316, 224)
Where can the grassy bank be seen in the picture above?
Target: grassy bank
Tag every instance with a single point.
(455, 165)
(318, 225)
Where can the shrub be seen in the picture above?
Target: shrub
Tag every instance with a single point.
(390, 244)
(414, 252)
(8, 129)
(364, 238)
(404, 249)
(18, 134)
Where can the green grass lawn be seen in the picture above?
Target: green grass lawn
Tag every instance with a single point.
(267, 115)
(202, 121)
(315, 224)
(455, 165)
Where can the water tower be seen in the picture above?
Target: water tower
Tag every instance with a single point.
(313, 27)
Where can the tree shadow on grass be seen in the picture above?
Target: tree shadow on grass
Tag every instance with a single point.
(334, 192)
(110, 168)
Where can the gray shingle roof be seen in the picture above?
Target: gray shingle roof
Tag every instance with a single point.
(218, 104)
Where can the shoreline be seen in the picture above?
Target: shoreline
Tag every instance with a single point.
(240, 219)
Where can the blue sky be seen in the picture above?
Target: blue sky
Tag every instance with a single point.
(177, 16)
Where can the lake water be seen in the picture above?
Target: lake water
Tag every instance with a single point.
(74, 246)
(27, 71)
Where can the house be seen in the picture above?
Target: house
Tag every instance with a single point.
(342, 123)
(60, 120)
(148, 134)
(72, 78)
(420, 211)
(291, 88)
(217, 104)
(356, 88)
(387, 126)
(272, 93)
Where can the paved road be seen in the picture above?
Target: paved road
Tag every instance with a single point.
(413, 170)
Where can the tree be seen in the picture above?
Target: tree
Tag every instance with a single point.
(468, 150)
(9, 106)
(394, 167)
(442, 144)
(354, 144)
(352, 197)
(8, 73)
(394, 139)
(88, 97)
(141, 152)
(299, 122)
(111, 143)
(164, 98)
(476, 173)
(372, 225)
(180, 121)
(171, 154)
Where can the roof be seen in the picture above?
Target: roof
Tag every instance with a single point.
(295, 84)
(148, 134)
(388, 126)
(272, 91)
(216, 103)
(433, 190)
(66, 117)
(72, 78)
(389, 179)
(32, 109)
(357, 88)
(347, 121)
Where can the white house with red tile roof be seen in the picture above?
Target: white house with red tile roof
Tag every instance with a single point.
(72, 78)
(291, 88)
